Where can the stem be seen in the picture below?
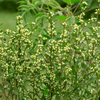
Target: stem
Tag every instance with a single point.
(33, 92)
(61, 66)
(12, 96)
(16, 83)
(51, 94)
(97, 85)
(61, 79)
(7, 98)
(77, 6)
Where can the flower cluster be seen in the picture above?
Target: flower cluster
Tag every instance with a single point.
(84, 5)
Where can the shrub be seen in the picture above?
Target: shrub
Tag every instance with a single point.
(59, 66)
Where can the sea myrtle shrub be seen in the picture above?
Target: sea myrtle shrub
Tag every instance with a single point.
(59, 67)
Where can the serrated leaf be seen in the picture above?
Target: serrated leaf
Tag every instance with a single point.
(62, 17)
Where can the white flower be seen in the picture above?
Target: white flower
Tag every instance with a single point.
(33, 23)
(40, 36)
(19, 17)
(84, 3)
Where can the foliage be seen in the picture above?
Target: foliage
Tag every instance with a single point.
(37, 6)
(62, 65)
(42, 7)
(71, 1)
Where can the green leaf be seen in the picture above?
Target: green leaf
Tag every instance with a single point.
(89, 3)
(75, 1)
(34, 1)
(55, 3)
(94, 7)
(94, 4)
(92, 79)
(1, 88)
(22, 2)
(46, 36)
(71, 1)
(10, 91)
(57, 97)
(30, 64)
(6, 87)
(73, 69)
(30, 95)
(71, 20)
(83, 66)
(35, 99)
(62, 17)
(0, 96)
(64, 44)
(52, 3)
(45, 30)
(43, 97)
(67, 1)
(39, 16)
(16, 91)
(45, 91)
(37, 3)
(58, 39)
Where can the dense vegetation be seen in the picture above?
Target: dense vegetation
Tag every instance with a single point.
(60, 64)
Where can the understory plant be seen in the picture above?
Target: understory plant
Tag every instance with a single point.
(57, 66)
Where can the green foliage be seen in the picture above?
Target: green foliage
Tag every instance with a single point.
(60, 2)
(61, 65)
(62, 17)
(71, 1)
(39, 8)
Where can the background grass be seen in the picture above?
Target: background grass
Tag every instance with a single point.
(8, 19)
